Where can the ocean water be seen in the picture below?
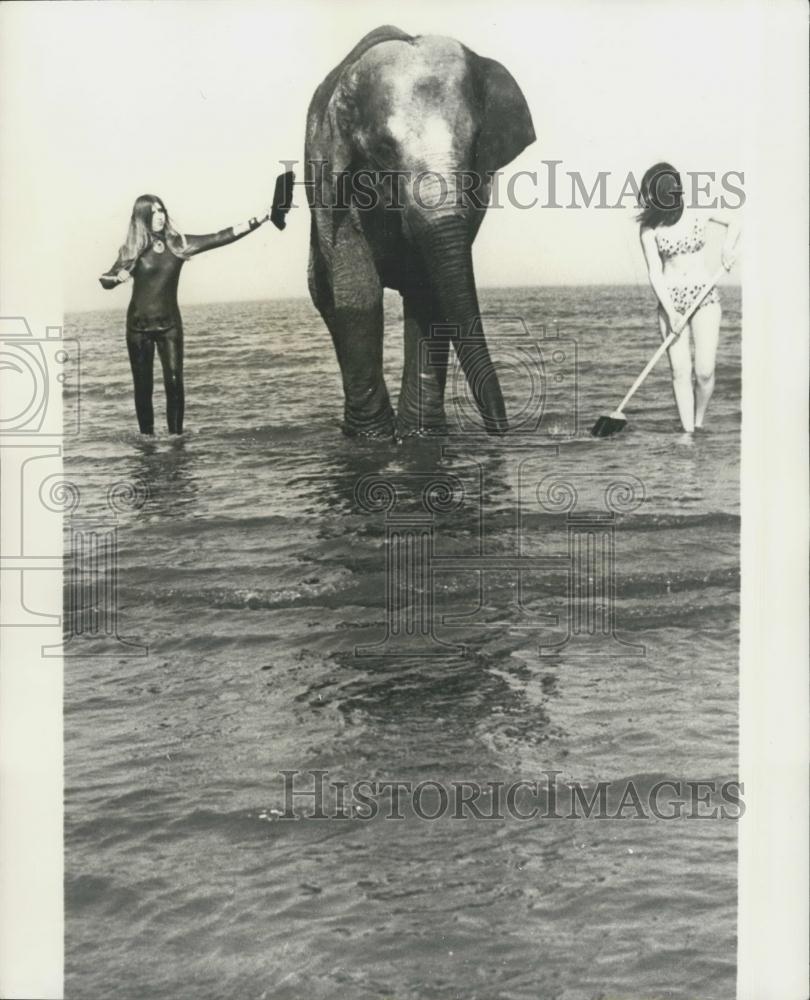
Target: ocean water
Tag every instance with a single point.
(257, 582)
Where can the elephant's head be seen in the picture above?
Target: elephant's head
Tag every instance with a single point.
(447, 118)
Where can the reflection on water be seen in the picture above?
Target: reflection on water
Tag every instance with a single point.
(168, 467)
(255, 574)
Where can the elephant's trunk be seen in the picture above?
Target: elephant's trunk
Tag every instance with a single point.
(445, 246)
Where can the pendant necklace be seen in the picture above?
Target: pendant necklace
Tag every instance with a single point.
(158, 245)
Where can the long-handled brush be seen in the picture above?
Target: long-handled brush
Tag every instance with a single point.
(612, 423)
(282, 199)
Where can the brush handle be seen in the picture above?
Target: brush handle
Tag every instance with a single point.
(668, 341)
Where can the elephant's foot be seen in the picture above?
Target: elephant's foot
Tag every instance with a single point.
(407, 432)
(384, 431)
(411, 424)
(420, 410)
(373, 421)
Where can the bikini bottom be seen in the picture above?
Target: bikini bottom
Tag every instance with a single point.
(684, 295)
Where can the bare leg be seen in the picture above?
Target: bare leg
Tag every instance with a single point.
(680, 362)
(170, 349)
(706, 332)
(141, 349)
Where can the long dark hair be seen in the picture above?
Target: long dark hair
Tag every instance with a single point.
(661, 196)
(139, 233)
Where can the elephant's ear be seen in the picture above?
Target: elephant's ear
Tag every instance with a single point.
(506, 127)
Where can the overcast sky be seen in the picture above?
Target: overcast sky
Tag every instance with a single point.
(199, 103)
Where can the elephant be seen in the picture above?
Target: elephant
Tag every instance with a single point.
(430, 110)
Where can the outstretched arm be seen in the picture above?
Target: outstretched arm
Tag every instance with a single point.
(656, 273)
(199, 244)
(116, 276)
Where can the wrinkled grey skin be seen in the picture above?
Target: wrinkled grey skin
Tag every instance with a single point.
(414, 104)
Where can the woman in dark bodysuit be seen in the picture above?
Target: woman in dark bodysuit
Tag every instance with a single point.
(153, 255)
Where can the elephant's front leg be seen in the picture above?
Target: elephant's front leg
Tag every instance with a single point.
(421, 399)
(354, 315)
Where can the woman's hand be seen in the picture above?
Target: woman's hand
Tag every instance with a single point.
(112, 279)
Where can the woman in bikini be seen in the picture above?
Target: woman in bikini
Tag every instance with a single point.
(152, 256)
(673, 239)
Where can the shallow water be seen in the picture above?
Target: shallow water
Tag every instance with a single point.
(253, 574)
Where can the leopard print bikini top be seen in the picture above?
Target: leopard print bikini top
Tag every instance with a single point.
(677, 239)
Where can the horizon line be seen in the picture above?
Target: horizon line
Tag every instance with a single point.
(305, 296)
